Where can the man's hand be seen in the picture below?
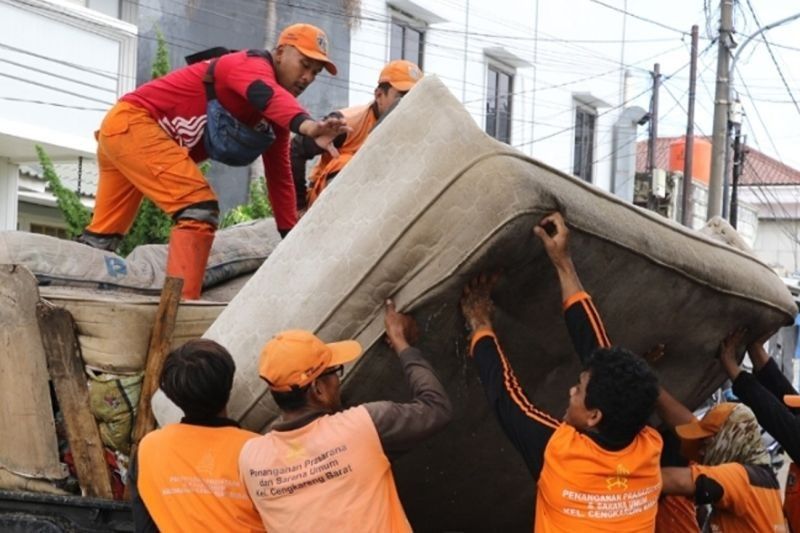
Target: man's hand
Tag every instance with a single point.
(401, 330)
(325, 131)
(476, 303)
(554, 234)
(727, 352)
(758, 355)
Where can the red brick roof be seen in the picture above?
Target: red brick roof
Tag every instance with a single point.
(759, 168)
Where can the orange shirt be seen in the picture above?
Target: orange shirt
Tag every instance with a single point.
(584, 487)
(189, 479)
(362, 119)
(750, 501)
(791, 502)
(329, 475)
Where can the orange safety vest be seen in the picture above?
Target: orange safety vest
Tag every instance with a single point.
(362, 119)
(747, 504)
(791, 501)
(329, 475)
(584, 487)
(189, 479)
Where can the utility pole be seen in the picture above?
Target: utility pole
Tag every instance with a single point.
(651, 143)
(688, 154)
(722, 95)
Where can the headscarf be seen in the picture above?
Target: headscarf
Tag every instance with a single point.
(738, 441)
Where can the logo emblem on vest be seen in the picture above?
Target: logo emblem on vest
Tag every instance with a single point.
(619, 481)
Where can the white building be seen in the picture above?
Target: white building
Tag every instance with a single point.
(63, 65)
(552, 99)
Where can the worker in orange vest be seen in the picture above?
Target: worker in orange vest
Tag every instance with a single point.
(185, 476)
(234, 109)
(322, 468)
(395, 80)
(598, 468)
(775, 403)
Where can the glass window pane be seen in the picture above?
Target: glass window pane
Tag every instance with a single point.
(504, 107)
(491, 103)
(578, 147)
(396, 48)
(411, 48)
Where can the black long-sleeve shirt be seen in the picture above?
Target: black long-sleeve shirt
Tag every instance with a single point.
(763, 393)
(528, 428)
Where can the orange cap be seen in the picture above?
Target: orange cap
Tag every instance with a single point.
(710, 425)
(792, 400)
(310, 41)
(400, 74)
(294, 358)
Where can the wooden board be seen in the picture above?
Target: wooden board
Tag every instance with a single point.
(72, 391)
(28, 445)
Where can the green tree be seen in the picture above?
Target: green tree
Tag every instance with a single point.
(161, 64)
(76, 215)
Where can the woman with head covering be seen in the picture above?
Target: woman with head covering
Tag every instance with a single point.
(731, 471)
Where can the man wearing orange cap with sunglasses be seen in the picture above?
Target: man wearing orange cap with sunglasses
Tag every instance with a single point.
(233, 109)
(395, 80)
(322, 468)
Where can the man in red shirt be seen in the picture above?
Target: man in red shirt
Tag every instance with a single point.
(150, 141)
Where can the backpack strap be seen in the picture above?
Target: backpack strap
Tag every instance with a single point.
(208, 81)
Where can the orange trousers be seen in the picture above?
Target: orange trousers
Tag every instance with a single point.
(136, 158)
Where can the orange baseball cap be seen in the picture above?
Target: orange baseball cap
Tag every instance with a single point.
(792, 400)
(710, 425)
(310, 41)
(294, 358)
(400, 74)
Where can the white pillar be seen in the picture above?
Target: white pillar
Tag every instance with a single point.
(9, 183)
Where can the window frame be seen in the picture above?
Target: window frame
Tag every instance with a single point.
(407, 23)
(495, 69)
(586, 173)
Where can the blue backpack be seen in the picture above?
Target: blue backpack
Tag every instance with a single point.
(226, 139)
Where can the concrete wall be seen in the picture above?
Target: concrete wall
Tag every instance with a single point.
(56, 94)
(776, 244)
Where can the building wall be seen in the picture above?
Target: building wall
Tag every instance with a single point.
(777, 244)
(463, 39)
(56, 94)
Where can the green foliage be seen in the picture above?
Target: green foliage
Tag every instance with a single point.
(151, 226)
(76, 215)
(256, 207)
(161, 64)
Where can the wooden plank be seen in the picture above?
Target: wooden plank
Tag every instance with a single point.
(160, 342)
(72, 392)
(28, 444)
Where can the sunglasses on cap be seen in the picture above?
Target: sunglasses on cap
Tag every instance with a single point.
(338, 370)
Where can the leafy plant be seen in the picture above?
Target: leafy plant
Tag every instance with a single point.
(76, 215)
(256, 207)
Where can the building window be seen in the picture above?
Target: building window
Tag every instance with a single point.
(499, 89)
(53, 231)
(408, 42)
(585, 125)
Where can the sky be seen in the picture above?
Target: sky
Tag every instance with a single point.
(772, 118)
